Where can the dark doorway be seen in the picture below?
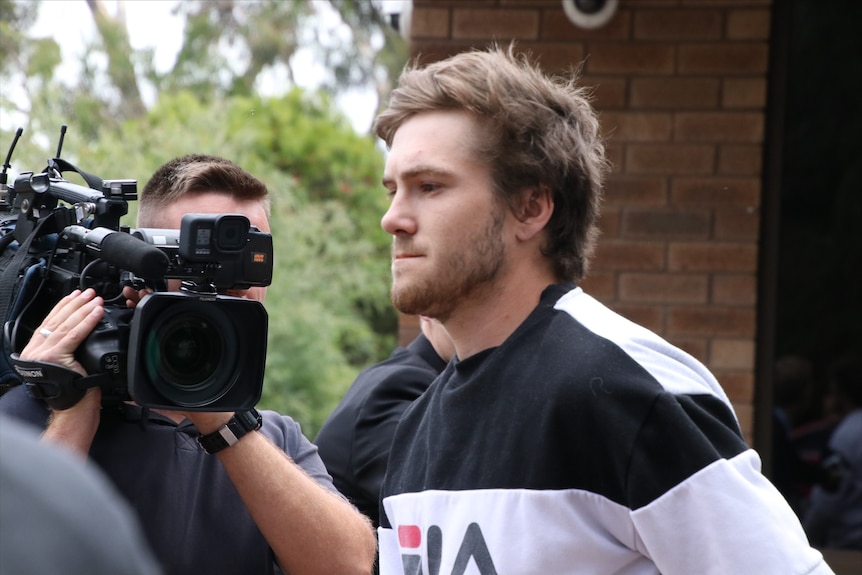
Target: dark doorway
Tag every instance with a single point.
(810, 300)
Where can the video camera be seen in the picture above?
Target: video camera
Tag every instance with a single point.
(193, 349)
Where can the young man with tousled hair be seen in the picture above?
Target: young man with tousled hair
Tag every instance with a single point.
(561, 438)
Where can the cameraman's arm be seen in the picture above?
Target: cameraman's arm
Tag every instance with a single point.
(75, 427)
(68, 324)
(310, 530)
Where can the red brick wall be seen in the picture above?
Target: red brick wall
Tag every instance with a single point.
(681, 87)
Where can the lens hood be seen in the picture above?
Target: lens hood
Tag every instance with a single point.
(197, 353)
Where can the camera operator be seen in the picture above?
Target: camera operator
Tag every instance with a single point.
(264, 500)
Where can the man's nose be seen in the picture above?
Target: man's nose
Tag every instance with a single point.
(397, 218)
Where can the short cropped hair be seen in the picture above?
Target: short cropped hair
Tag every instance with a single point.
(196, 173)
(537, 131)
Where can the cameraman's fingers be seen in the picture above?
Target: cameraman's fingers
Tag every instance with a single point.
(59, 346)
(134, 296)
(78, 326)
(45, 331)
(58, 313)
(70, 311)
(65, 328)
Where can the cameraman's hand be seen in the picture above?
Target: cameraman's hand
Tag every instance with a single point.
(133, 296)
(63, 330)
(55, 341)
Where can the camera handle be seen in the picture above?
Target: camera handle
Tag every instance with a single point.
(60, 165)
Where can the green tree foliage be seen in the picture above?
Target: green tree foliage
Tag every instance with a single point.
(16, 48)
(115, 38)
(228, 45)
(329, 309)
(259, 34)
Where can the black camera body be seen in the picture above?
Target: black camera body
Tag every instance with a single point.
(223, 250)
(194, 349)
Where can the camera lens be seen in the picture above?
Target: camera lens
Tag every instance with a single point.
(231, 233)
(190, 354)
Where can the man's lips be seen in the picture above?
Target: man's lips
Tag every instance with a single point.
(403, 261)
(405, 255)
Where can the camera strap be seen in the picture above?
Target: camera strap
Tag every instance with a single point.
(58, 386)
(9, 276)
(93, 182)
(9, 299)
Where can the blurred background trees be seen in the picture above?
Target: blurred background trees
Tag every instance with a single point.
(329, 307)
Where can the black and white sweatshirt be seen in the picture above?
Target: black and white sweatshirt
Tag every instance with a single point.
(584, 444)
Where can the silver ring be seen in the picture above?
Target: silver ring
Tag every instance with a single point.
(44, 332)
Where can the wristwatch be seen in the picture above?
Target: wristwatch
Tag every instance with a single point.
(240, 424)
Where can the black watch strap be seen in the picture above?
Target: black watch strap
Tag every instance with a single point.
(239, 425)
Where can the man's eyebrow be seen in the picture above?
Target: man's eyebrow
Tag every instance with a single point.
(419, 171)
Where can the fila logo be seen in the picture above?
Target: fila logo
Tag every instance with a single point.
(472, 546)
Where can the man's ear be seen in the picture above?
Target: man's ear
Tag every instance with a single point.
(534, 212)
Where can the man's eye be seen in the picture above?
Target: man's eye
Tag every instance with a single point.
(429, 187)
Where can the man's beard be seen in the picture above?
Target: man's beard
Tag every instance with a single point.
(458, 276)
